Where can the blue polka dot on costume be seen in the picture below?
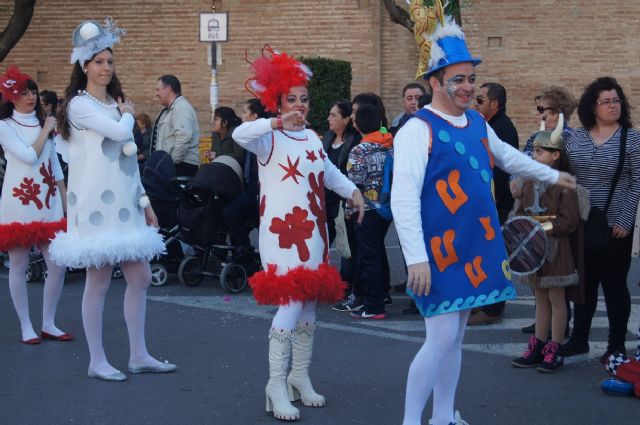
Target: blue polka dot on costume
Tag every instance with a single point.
(460, 148)
(485, 176)
(444, 136)
(473, 162)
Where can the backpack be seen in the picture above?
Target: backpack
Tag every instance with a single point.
(383, 206)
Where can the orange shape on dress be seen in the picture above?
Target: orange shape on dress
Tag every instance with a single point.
(442, 261)
(475, 273)
(453, 203)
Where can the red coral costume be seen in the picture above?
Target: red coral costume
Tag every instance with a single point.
(30, 208)
(294, 244)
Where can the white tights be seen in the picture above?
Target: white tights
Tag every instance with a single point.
(294, 313)
(18, 262)
(138, 278)
(436, 368)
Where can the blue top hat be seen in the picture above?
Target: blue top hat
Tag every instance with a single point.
(448, 47)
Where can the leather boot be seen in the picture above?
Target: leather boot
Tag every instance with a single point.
(276, 391)
(299, 384)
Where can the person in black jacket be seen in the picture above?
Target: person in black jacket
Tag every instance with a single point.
(491, 102)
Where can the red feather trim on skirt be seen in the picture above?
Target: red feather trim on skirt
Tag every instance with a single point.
(27, 234)
(300, 284)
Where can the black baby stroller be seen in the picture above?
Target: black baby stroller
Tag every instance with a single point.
(200, 217)
(163, 188)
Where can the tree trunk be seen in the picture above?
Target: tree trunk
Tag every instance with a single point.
(17, 26)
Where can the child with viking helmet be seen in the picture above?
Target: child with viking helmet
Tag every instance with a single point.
(31, 209)
(558, 271)
(294, 247)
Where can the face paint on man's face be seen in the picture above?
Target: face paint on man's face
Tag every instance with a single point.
(456, 81)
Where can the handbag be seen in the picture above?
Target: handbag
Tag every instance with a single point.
(596, 229)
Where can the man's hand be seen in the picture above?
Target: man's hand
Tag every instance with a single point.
(293, 121)
(516, 189)
(566, 180)
(357, 202)
(419, 278)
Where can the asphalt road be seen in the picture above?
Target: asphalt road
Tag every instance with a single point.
(219, 343)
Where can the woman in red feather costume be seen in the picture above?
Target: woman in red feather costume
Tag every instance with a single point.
(294, 247)
(33, 195)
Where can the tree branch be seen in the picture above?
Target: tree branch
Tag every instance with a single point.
(17, 26)
(398, 15)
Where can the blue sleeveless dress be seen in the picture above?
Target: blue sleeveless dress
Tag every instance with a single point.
(467, 255)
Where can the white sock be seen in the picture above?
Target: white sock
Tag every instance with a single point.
(51, 295)
(443, 342)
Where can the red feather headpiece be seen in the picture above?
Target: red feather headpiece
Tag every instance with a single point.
(12, 83)
(274, 75)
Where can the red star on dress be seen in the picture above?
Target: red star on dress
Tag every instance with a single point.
(292, 170)
(311, 156)
(322, 155)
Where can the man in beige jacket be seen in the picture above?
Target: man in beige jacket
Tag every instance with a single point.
(176, 130)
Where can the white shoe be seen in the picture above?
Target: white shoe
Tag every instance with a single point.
(112, 377)
(161, 368)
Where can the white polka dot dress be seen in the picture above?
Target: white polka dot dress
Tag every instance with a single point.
(106, 224)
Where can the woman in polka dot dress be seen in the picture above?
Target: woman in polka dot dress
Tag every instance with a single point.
(31, 209)
(109, 218)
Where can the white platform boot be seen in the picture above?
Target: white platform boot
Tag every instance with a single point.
(298, 382)
(276, 391)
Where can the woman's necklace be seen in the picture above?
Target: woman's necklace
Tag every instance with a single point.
(295, 138)
(23, 124)
(112, 103)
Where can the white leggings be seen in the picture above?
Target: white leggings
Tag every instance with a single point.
(138, 277)
(18, 261)
(436, 368)
(294, 313)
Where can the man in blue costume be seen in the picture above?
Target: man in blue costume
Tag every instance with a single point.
(445, 215)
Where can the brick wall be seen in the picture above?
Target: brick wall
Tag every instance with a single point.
(540, 43)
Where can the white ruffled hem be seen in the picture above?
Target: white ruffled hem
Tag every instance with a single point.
(100, 250)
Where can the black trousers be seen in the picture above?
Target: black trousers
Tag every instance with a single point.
(609, 267)
(348, 266)
(242, 210)
(373, 264)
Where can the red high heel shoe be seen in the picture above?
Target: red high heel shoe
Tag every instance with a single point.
(64, 337)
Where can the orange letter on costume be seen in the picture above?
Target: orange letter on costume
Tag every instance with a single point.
(475, 273)
(459, 197)
(443, 262)
(488, 228)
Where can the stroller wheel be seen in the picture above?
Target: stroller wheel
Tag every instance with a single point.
(34, 272)
(159, 274)
(233, 278)
(116, 273)
(190, 272)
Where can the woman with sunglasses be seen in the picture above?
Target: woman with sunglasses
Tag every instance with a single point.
(31, 210)
(552, 101)
(595, 153)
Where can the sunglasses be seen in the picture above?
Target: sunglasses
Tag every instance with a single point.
(541, 109)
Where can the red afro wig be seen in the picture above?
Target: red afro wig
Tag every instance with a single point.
(274, 75)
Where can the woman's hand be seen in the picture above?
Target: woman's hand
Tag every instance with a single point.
(211, 155)
(618, 232)
(293, 121)
(49, 124)
(150, 217)
(126, 106)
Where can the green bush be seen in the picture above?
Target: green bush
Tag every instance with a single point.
(331, 82)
